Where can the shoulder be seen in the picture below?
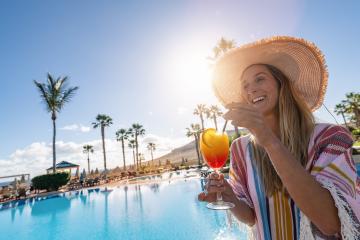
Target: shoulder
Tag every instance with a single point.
(240, 142)
(325, 133)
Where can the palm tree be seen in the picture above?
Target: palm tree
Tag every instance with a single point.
(137, 130)
(200, 110)
(352, 107)
(141, 158)
(55, 94)
(194, 131)
(152, 147)
(213, 112)
(132, 146)
(103, 121)
(341, 109)
(122, 135)
(224, 45)
(88, 149)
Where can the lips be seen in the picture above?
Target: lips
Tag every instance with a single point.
(258, 99)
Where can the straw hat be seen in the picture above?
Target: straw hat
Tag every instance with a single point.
(300, 60)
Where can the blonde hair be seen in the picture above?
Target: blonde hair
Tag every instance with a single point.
(296, 124)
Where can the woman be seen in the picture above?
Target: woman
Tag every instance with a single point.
(289, 178)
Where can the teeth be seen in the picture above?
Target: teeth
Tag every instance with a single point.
(258, 99)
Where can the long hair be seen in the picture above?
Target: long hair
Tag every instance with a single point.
(296, 124)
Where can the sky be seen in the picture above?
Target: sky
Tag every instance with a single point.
(142, 62)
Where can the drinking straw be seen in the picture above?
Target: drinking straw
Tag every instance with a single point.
(223, 130)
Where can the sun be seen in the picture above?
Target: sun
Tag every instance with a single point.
(191, 71)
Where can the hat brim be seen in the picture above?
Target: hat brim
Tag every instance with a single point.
(300, 60)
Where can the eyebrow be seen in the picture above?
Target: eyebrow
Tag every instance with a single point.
(242, 82)
(260, 73)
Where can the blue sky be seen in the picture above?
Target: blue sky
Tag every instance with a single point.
(145, 62)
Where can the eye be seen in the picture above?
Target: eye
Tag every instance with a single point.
(259, 79)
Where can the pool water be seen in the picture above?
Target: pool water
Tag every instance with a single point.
(162, 210)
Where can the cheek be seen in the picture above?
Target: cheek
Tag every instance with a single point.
(242, 94)
(274, 95)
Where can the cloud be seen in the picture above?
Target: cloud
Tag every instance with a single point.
(76, 127)
(37, 157)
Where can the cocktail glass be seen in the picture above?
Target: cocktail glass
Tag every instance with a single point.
(214, 147)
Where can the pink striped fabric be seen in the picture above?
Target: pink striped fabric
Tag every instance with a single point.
(278, 217)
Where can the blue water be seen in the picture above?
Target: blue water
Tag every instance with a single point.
(165, 210)
(358, 169)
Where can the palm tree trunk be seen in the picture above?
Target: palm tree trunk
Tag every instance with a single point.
(134, 157)
(152, 157)
(88, 162)
(202, 121)
(137, 150)
(357, 116)
(103, 145)
(53, 117)
(342, 114)
(123, 150)
(197, 149)
(236, 129)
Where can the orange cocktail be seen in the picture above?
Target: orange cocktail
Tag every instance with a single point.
(214, 147)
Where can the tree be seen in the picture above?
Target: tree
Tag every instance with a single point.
(132, 146)
(200, 110)
(103, 121)
(350, 107)
(194, 131)
(152, 147)
(340, 109)
(55, 93)
(87, 149)
(141, 158)
(223, 46)
(213, 112)
(122, 135)
(138, 131)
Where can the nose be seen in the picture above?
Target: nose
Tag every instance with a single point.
(251, 89)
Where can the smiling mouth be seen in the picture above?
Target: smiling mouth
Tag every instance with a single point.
(258, 100)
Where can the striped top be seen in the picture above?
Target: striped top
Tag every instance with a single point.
(330, 163)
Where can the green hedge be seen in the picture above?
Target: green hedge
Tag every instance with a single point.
(356, 133)
(50, 182)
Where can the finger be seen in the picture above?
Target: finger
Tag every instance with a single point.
(214, 175)
(206, 186)
(235, 105)
(202, 197)
(215, 189)
(241, 113)
(218, 182)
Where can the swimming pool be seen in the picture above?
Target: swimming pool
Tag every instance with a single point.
(162, 210)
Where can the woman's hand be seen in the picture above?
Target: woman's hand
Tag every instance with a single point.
(245, 115)
(216, 183)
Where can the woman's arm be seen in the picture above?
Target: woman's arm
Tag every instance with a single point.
(314, 201)
(216, 183)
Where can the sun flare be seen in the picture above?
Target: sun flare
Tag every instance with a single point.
(191, 73)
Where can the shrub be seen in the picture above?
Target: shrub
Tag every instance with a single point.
(356, 133)
(50, 182)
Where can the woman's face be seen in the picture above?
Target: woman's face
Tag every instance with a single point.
(260, 89)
